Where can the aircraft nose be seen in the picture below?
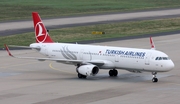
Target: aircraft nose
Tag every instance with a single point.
(169, 66)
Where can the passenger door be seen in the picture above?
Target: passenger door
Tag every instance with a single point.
(147, 58)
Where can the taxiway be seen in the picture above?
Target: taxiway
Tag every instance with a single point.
(29, 81)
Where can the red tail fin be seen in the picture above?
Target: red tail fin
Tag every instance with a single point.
(41, 33)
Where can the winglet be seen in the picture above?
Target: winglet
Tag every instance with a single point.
(7, 49)
(152, 43)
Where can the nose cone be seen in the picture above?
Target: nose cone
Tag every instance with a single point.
(169, 65)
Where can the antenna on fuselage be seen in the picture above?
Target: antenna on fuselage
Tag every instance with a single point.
(152, 43)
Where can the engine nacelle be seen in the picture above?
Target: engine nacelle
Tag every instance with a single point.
(88, 70)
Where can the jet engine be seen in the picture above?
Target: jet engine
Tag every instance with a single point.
(88, 70)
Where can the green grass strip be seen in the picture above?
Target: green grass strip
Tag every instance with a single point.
(112, 30)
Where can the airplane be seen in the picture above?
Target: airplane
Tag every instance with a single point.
(88, 59)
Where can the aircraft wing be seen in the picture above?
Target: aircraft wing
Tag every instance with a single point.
(65, 61)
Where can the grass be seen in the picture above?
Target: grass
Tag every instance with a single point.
(113, 30)
(21, 9)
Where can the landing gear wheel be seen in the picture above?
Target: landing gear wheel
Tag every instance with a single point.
(154, 80)
(81, 76)
(113, 72)
(84, 76)
(154, 77)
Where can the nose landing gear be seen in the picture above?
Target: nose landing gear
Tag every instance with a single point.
(154, 79)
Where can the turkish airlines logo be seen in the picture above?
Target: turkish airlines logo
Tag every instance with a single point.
(67, 53)
(41, 33)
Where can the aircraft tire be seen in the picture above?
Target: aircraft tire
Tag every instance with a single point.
(81, 76)
(84, 76)
(115, 72)
(111, 73)
(154, 80)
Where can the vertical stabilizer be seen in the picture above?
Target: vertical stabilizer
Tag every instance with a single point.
(41, 33)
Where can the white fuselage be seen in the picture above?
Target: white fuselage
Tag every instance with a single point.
(131, 59)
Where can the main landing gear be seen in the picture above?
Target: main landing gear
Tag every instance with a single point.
(81, 76)
(113, 72)
(154, 77)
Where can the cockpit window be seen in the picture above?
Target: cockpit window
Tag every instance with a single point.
(165, 58)
(162, 58)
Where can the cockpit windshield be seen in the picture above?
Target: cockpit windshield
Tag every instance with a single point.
(162, 58)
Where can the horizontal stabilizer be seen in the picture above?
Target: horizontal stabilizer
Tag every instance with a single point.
(20, 46)
(25, 47)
